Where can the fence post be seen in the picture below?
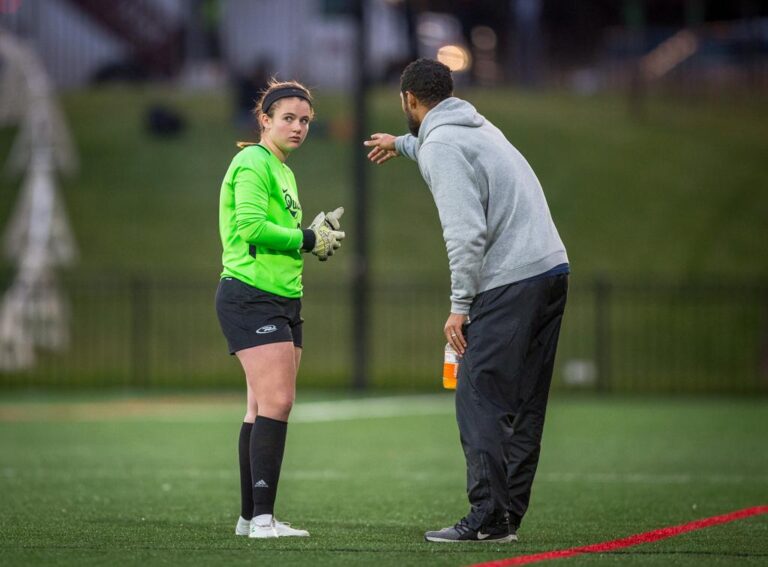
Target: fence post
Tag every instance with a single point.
(361, 320)
(139, 332)
(762, 365)
(602, 292)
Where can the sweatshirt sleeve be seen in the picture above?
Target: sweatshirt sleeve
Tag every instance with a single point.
(407, 146)
(462, 216)
(251, 188)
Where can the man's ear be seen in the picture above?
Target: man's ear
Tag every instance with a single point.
(410, 100)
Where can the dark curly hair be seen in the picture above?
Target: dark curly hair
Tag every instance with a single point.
(428, 80)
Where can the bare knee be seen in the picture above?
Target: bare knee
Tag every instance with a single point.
(270, 372)
(276, 407)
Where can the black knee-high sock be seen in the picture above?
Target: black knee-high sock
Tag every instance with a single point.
(244, 452)
(267, 447)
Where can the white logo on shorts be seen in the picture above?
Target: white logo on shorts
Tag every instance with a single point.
(266, 329)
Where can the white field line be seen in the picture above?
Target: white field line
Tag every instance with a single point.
(367, 408)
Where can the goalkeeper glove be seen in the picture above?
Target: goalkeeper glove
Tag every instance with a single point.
(332, 219)
(326, 238)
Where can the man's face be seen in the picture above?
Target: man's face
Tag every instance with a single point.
(413, 121)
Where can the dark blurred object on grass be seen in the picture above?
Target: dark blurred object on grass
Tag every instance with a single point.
(124, 71)
(164, 121)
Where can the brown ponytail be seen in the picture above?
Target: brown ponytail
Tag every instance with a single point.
(274, 85)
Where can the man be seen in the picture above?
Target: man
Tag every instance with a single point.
(509, 280)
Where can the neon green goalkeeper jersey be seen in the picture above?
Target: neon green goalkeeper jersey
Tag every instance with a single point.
(260, 223)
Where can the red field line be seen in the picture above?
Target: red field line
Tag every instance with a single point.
(638, 539)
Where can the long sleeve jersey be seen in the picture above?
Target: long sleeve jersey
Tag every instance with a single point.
(260, 223)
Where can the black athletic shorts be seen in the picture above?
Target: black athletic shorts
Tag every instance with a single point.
(251, 317)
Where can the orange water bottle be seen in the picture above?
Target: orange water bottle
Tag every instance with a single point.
(450, 367)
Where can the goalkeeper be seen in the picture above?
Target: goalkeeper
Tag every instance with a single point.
(258, 300)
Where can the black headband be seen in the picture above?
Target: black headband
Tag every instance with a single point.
(283, 92)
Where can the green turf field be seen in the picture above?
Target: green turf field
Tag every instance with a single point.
(147, 480)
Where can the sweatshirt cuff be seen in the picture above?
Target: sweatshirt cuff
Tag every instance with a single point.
(309, 240)
(399, 141)
(460, 308)
(401, 146)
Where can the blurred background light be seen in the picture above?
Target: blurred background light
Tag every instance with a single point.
(484, 38)
(456, 57)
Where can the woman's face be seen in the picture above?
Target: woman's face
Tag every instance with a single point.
(288, 128)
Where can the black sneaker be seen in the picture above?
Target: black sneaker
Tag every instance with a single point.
(462, 532)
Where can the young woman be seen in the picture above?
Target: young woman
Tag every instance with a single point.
(258, 299)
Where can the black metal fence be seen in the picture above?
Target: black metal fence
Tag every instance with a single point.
(616, 337)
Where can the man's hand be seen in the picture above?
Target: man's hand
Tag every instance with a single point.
(326, 238)
(453, 332)
(383, 148)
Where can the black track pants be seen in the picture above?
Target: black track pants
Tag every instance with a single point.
(502, 393)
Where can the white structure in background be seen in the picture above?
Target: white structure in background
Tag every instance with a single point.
(297, 38)
(302, 42)
(38, 237)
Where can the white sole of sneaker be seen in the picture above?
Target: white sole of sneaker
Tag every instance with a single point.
(266, 533)
(262, 535)
(273, 535)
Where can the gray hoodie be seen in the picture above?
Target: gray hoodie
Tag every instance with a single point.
(496, 222)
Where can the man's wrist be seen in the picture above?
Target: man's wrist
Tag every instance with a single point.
(459, 309)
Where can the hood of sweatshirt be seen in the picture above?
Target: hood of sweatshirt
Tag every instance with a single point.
(450, 112)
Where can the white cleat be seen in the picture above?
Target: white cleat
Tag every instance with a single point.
(266, 526)
(243, 526)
